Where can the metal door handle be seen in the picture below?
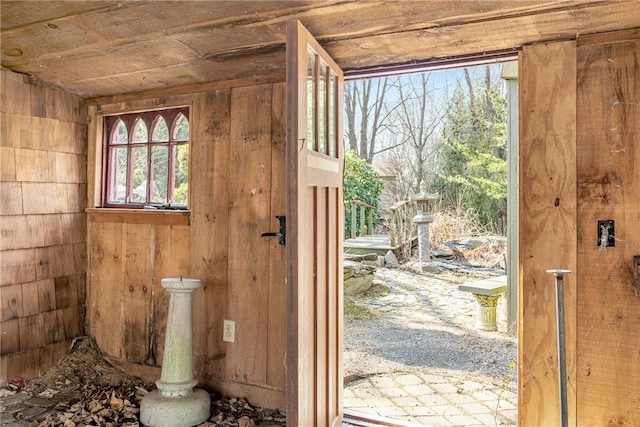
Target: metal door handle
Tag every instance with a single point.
(281, 235)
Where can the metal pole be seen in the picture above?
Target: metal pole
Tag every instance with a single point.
(562, 359)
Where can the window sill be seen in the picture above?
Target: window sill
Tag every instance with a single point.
(139, 216)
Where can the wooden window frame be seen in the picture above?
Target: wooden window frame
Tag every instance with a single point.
(130, 119)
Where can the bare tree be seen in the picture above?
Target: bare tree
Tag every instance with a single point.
(417, 123)
(366, 115)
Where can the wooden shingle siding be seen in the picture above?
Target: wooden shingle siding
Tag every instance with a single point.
(42, 225)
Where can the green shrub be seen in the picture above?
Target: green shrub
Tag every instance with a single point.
(361, 183)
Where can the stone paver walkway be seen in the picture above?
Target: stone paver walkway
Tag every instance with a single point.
(433, 394)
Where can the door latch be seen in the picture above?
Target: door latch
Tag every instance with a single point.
(281, 235)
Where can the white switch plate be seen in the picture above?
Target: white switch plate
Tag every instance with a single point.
(229, 331)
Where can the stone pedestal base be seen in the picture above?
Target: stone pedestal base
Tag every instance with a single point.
(157, 410)
(486, 312)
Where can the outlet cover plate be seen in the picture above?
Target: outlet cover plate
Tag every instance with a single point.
(609, 226)
(229, 331)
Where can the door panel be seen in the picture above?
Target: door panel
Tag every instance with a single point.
(314, 232)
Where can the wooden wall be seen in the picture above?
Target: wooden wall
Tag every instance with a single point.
(42, 225)
(608, 179)
(236, 190)
(547, 224)
(580, 162)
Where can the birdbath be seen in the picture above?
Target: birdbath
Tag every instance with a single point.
(176, 403)
(422, 220)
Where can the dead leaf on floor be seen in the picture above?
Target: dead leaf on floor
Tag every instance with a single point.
(48, 393)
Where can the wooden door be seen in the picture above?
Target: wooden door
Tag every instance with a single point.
(314, 232)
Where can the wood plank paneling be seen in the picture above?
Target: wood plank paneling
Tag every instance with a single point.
(171, 259)
(209, 231)
(104, 305)
(216, 41)
(138, 250)
(237, 156)
(137, 216)
(126, 271)
(249, 216)
(608, 164)
(547, 227)
(277, 336)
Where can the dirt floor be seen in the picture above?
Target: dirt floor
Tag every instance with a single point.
(84, 389)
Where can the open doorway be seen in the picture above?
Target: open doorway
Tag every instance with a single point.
(415, 348)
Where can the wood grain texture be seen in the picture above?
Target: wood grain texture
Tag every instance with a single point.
(138, 251)
(608, 163)
(277, 336)
(188, 43)
(30, 305)
(31, 333)
(11, 198)
(249, 217)
(17, 266)
(7, 164)
(137, 216)
(209, 230)
(10, 338)
(105, 273)
(171, 259)
(127, 263)
(313, 384)
(235, 198)
(547, 227)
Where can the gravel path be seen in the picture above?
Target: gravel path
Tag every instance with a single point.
(427, 326)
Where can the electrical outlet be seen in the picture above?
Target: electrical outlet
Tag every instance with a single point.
(229, 331)
(606, 233)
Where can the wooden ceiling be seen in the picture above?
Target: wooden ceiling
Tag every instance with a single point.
(101, 48)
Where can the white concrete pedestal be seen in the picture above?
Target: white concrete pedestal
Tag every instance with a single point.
(176, 403)
(486, 312)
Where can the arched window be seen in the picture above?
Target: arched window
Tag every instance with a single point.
(147, 161)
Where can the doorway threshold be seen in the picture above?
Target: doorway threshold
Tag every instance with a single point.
(358, 419)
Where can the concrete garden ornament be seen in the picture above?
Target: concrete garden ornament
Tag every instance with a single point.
(176, 403)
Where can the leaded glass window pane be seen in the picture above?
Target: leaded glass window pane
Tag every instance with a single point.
(140, 133)
(160, 130)
(181, 128)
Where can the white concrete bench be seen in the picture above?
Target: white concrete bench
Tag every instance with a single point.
(486, 292)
